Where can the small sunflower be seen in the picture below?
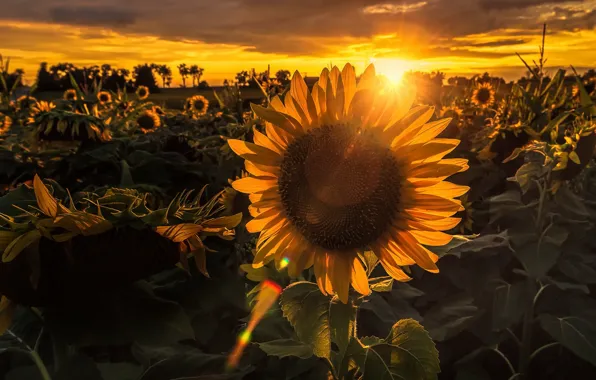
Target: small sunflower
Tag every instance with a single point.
(197, 104)
(142, 93)
(5, 123)
(159, 111)
(70, 94)
(484, 95)
(104, 97)
(148, 121)
(25, 101)
(344, 169)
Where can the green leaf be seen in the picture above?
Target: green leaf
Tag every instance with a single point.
(576, 334)
(120, 371)
(481, 243)
(370, 260)
(286, 347)
(407, 353)
(18, 245)
(342, 324)
(526, 173)
(538, 257)
(78, 366)
(307, 310)
(579, 266)
(449, 317)
(381, 284)
(508, 304)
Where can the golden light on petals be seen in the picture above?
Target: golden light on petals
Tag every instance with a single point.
(344, 167)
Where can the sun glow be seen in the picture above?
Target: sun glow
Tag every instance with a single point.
(393, 69)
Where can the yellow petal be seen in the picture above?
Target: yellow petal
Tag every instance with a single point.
(430, 131)
(368, 78)
(261, 170)
(423, 257)
(348, 77)
(278, 135)
(444, 189)
(389, 264)
(296, 111)
(405, 130)
(359, 278)
(340, 267)
(268, 250)
(264, 141)
(441, 169)
(431, 151)
(321, 271)
(255, 153)
(281, 120)
(258, 223)
(431, 238)
(574, 157)
(434, 203)
(254, 184)
(441, 224)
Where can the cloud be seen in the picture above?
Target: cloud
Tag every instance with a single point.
(498, 43)
(92, 16)
(394, 8)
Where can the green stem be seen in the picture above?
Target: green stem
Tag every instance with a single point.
(34, 356)
(546, 346)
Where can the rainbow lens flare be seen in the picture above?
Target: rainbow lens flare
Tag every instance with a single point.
(267, 296)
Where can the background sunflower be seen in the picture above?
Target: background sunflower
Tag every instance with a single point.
(142, 92)
(484, 95)
(148, 121)
(345, 169)
(197, 105)
(70, 94)
(104, 97)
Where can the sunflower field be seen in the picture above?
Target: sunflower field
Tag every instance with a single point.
(347, 229)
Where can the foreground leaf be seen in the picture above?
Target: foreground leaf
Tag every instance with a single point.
(576, 334)
(307, 310)
(19, 244)
(408, 353)
(286, 347)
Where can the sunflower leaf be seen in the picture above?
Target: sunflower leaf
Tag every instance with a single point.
(307, 310)
(407, 353)
(286, 347)
(576, 334)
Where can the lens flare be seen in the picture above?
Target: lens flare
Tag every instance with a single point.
(267, 296)
(284, 263)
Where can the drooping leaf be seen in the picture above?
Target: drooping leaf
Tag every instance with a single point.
(481, 243)
(307, 310)
(179, 232)
(19, 244)
(526, 173)
(576, 334)
(224, 221)
(381, 284)
(407, 353)
(286, 347)
(45, 201)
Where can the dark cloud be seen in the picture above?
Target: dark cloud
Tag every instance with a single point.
(310, 27)
(498, 43)
(92, 16)
(518, 4)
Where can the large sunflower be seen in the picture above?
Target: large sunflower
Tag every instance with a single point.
(197, 104)
(148, 121)
(484, 95)
(142, 92)
(344, 169)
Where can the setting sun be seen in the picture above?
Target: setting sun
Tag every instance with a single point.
(393, 69)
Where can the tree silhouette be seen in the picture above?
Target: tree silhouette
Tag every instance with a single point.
(165, 72)
(184, 73)
(143, 76)
(196, 72)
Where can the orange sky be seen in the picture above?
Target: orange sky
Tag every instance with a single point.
(30, 42)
